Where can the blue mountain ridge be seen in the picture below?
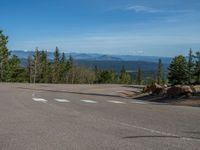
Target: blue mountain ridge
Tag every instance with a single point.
(97, 57)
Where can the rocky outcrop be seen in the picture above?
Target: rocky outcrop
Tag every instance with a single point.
(154, 89)
(179, 90)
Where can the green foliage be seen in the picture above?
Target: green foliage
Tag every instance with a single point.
(190, 66)
(178, 71)
(37, 66)
(97, 73)
(4, 56)
(70, 67)
(56, 66)
(40, 70)
(160, 73)
(139, 78)
(29, 69)
(84, 75)
(197, 68)
(108, 76)
(10, 69)
(44, 76)
(63, 69)
(124, 76)
(14, 72)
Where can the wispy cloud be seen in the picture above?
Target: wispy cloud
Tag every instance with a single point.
(147, 9)
(138, 8)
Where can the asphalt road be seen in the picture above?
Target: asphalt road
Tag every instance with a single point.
(44, 117)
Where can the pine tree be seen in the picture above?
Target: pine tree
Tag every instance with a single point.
(84, 75)
(56, 66)
(14, 72)
(178, 71)
(160, 73)
(29, 68)
(197, 68)
(4, 55)
(124, 76)
(139, 79)
(70, 68)
(44, 78)
(97, 74)
(107, 76)
(63, 69)
(190, 66)
(123, 70)
(113, 76)
(37, 66)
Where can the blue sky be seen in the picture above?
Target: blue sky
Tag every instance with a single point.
(134, 27)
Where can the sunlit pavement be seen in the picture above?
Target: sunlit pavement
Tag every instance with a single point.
(74, 117)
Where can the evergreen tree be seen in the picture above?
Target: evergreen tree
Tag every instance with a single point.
(44, 77)
(113, 76)
(160, 73)
(139, 79)
(4, 55)
(84, 75)
(37, 66)
(14, 72)
(190, 66)
(56, 66)
(124, 76)
(197, 68)
(70, 68)
(108, 76)
(123, 70)
(97, 74)
(29, 68)
(63, 69)
(178, 71)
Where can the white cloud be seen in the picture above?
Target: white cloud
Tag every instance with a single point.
(146, 9)
(138, 8)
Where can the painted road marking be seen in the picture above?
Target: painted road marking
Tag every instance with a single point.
(138, 102)
(88, 101)
(40, 100)
(117, 102)
(62, 100)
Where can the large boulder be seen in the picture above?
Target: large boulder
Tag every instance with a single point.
(155, 89)
(146, 89)
(179, 90)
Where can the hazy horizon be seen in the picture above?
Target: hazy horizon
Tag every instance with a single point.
(115, 27)
(98, 53)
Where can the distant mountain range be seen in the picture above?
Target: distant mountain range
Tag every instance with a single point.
(148, 64)
(98, 57)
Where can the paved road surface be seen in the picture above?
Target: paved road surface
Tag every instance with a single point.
(42, 118)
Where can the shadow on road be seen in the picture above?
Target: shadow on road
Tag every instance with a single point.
(159, 136)
(78, 93)
(150, 136)
(182, 100)
(192, 132)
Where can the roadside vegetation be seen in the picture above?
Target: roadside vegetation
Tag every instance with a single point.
(39, 69)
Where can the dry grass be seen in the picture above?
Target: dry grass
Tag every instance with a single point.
(197, 88)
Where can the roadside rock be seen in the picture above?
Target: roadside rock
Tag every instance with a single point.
(155, 89)
(179, 90)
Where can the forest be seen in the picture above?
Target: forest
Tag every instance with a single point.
(39, 69)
